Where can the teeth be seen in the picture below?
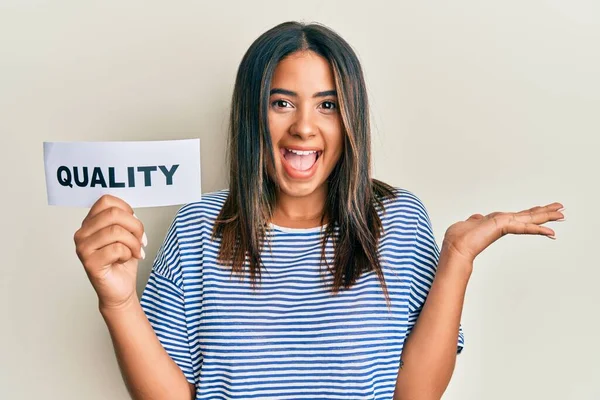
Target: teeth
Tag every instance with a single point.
(301, 152)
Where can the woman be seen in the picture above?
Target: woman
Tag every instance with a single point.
(307, 278)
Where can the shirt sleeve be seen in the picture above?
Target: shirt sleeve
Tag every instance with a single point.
(424, 267)
(163, 302)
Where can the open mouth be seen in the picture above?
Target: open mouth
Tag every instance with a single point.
(300, 160)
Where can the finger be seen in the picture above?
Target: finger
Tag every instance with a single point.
(556, 206)
(106, 236)
(522, 228)
(108, 201)
(108, 217)
(549, 207)
(539, 217)
(108, 255)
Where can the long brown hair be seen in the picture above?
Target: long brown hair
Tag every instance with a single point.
(353, 199)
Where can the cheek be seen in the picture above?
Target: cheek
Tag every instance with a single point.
(276, 127)
(336, 142)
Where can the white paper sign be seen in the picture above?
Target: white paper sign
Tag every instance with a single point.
(144, 174)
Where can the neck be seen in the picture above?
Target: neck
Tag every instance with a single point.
(300, 212)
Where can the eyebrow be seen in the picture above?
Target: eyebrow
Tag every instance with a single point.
(286, 92)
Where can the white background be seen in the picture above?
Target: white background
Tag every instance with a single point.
(478, 106)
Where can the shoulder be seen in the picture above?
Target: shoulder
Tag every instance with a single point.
(194, 220)
(403, 204)
(207, 208)
(189, 229)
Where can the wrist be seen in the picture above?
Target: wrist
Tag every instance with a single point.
(111, 309)
(454, 264)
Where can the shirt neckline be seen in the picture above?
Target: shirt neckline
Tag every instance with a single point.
(297, 230)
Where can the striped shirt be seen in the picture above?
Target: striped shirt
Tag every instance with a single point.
(291, 339)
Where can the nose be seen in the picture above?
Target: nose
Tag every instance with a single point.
(303, 126)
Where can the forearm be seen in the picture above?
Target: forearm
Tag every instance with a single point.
(429, 353)
(147, 369)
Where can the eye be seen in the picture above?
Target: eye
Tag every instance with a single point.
(281, 104)
(329, 105)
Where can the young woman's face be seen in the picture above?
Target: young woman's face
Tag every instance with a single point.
(305, 123)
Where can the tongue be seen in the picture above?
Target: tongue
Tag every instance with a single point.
(299, 162)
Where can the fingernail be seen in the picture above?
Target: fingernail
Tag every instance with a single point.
(551, 237)
(144, 239)
(561, 210)
(135, 216)
(143, 253)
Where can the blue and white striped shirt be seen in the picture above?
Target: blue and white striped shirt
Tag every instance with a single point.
(291, 339)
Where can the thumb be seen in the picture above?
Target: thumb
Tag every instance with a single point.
(476, 217)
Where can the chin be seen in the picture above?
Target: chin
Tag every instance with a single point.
(299, 189)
